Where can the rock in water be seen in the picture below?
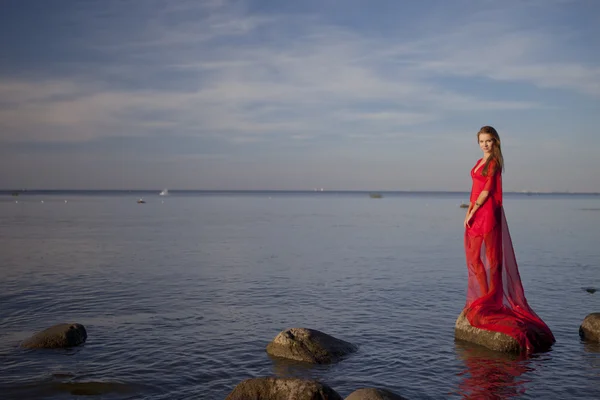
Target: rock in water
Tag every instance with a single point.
(492, 340)
(309, 345)
(590, 328)
(282, 389)
(374, 394)
(57, 336)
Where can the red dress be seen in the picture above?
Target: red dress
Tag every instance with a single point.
(495, 297)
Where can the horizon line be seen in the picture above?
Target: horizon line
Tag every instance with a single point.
(291, 190)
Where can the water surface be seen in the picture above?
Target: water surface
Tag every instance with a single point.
(181, 295)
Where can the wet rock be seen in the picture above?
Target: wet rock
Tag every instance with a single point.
(309, 345)
(374, 394)
(57, 336)
(590, 328)
(492, 340)
(282, 389)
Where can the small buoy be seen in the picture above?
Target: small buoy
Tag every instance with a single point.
(65, 201)
(16, 201)
(42, 201)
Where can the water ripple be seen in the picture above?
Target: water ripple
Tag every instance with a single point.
(180, 300)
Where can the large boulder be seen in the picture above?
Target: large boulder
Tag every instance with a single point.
(309, 345)
(282, 389)
(590, 328)
(374, 394)
(492, 340)
(57, 336)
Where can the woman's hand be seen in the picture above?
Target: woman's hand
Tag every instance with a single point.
(468, 218)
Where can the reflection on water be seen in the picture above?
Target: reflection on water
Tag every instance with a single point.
(180, 298)
(592, 356)
(591, 347)
(290, 368)
(57, 386)
(489, 374)
(284, 368)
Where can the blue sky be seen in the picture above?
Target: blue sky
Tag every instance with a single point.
(344, 95)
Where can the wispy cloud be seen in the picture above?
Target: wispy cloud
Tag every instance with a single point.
(234, 72)
(310, 84)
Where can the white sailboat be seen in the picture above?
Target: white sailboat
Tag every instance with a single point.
(165, 192)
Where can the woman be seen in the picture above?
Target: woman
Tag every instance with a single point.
(495, 297)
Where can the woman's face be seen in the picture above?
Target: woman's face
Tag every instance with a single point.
(486, 142)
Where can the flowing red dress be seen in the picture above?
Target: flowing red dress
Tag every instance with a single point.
(495, 297)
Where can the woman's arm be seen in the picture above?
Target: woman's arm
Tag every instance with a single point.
(490, 184)
(480, 200)
(470, 212)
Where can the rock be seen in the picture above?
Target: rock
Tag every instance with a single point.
(374, 394)
(282, 389)
(590, 328)
(309, 345)
(57, 336)
(492, 340)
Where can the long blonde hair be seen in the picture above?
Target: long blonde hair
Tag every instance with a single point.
(496, 150)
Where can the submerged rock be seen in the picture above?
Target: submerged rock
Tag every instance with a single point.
(57, 336)
(282, 389)
(590, 328)
(374, 394)
(309, 345)
(492, 340)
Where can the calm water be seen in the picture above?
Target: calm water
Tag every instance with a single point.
(181, 295)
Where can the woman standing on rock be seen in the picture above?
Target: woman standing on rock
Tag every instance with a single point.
(495, 297)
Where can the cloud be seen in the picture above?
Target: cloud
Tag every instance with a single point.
(322, 78)
(511, 57)
(228, 73)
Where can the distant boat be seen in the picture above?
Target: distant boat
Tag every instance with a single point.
(375, 195)
(464, 205)
(165, 192)
(141, 201)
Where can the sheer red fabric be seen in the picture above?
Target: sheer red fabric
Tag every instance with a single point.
(495, 297)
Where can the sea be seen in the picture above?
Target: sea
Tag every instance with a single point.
(181, 294)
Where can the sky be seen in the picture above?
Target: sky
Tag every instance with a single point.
(297, 95)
